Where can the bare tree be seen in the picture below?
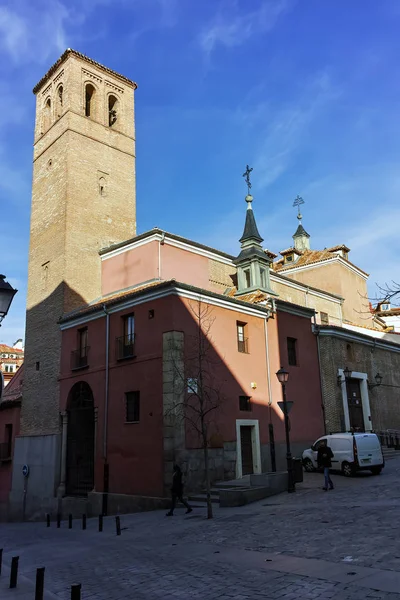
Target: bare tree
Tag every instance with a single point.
(389, 292)
(202, 391)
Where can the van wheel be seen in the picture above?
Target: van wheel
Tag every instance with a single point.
(347, 469)
(376, 470)
(308, 465)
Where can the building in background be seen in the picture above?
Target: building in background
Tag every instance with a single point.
(11, 359)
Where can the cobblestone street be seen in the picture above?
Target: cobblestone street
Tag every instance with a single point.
(316, 545)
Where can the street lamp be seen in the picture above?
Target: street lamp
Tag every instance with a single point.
(378, 379)
(7, 294)
(283, 377)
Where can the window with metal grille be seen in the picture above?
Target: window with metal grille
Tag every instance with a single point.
(132, 407)
(292, 351)
(244, 403)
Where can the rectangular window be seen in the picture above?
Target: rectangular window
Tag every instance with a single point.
(132, 407)
(263, 277)
(129, 328)
(242, 337)
(83, 342)
(291, 348)
(324, 318)
(244, 403)
(247, 277)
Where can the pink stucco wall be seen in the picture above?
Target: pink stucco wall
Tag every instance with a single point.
(153, 260)
(135, 450)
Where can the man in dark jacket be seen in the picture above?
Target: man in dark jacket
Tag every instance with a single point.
(324, 459)
(177, 491)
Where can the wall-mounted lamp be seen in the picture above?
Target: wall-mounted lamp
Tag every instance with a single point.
(378, 380)
(347, 375)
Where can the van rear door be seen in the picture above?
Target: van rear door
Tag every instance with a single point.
(369, 450)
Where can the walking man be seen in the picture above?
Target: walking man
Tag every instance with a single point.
(324, 459)
(177, 491)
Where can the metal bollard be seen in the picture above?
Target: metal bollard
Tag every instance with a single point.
(48, 520)
(100, 523)
(39, 590)
(83, 521)
(14, 572)
(118, 525)
(1, 558)
(69, 521)
(76, 591)
(58, 520)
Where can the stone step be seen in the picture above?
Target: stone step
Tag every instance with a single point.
(203, 498)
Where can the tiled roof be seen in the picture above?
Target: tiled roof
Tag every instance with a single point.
(270, 253)
(339, 247)
(10, 350)
(172, 236)
(128, 294)
(65, 55)
(309, 257)
(110, 299)
(290, 251)
(388, 313)
(253, 297)
(13, 391)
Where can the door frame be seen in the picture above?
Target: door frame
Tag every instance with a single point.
(363, 377)
(255, 445)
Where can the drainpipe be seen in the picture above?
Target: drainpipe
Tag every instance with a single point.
(105, 433)
(160, 243)
(316, 333)
(270, 425)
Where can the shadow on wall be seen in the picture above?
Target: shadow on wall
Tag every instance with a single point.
(38, 444)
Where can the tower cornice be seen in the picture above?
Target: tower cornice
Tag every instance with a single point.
(69, 52)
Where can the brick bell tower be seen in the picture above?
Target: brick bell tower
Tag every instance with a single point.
(83, 199)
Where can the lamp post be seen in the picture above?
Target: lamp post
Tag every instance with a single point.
(283, 377)
(7, 294)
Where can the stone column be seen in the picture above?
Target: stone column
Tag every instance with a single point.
(64, 431)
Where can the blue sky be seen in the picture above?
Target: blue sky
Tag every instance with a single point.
(307, 92)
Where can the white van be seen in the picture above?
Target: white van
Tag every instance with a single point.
(351, 452)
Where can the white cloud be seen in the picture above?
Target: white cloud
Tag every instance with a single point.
(31, 31)
(281, 132)
(230, 29)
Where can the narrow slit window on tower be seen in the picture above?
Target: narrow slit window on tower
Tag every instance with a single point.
(60, 100)
(47, 115)
(89, 99)
(112, 110)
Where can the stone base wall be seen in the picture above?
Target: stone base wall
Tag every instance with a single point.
(360, 357)
(33, 496)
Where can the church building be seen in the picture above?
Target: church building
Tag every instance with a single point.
(126, 332)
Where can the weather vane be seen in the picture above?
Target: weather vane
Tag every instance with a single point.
(246, 176)
(298, 202)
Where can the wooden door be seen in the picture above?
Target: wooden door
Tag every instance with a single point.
(354, 402)
(247, 450)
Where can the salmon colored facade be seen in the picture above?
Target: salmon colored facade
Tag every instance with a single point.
(139, 455)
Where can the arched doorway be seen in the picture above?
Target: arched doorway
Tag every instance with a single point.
(80, 440)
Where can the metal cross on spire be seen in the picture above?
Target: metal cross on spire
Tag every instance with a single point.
(298, 202)
(246, 176)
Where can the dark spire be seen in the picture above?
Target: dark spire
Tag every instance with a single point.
(301, 237)
(301, 231)
(250, 232)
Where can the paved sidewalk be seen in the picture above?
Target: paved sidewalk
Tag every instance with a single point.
(309, 545)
